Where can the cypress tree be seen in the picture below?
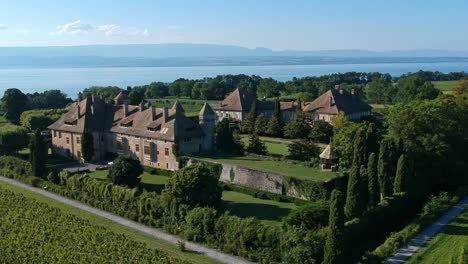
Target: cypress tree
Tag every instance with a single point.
(372, 139)
(274, 124)
(364, 183)
(354, 198)
(87, 146)
(334, 246)
(248, 125)
(256, 145)
(373, 184)
(297, 128)
(37, 154)
(261, 124)
(384, 168)
(402, 175)
(360, 145)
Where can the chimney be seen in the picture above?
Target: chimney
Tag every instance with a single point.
(165, 114)
(125, 109)
(153, 113)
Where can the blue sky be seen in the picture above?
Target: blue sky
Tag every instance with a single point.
(276, 24)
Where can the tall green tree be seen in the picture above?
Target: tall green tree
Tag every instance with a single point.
(414, 87)
(87, 146)
(354, 205)
(402, 175)
(248, 125)
(256, 145)
(14, 102)
(274, 127)
(125, 171)
(372, 139)
(303, 149)
(37, 154)
(227, 138)
(261, 124)
(334, 243)
(373, 182)
(360, 147)
(13, 138)
(297, 128)
(385, 167)
(321, 132)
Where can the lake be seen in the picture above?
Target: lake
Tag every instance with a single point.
(74, 80)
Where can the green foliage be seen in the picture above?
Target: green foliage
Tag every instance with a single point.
(194, 186)
(360, 147)
(297, 128)
(268, 87)
(50, 99)
(379, 91)
(125, 171)
(312, 215)
(274, 127)
(248, 124)
(303, 150)
(17, 165)
(12, 139)
(334, 251)
(64, 238)
(108, 93)
(355, 198)
(321, 132)
(343, 143)
(402, 175)
(13, 103)
(38, 154)
(373, 181)
(226, 139)
(40, 119)
(414, 87)
(261, 125)
(87, 146)
(256, 145)
(200, 224)
(300, 246)
(385, 167)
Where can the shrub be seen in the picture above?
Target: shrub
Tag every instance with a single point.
(17, 165)
(13, 138)
(125, 171)
(310, 216)
(200, 224)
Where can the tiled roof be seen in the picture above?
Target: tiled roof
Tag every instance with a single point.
(328, 153)
(206, 110)
(335, 101)
(159, 123)
(238, 100)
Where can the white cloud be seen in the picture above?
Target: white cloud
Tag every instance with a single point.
(3, 27)
(73, 28)
(109, 30)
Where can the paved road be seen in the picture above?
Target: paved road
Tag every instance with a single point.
(211, 253)
(407, 251)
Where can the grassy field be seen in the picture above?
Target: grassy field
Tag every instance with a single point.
(445, 86)
(244, 205)
(274, 146)
(274, 166)
(152, 243)
(447, 244)
(191, 106)
(239, 204)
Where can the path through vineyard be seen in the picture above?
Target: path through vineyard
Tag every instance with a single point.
(211, 253)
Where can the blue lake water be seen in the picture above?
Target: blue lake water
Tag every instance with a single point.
(74, 80)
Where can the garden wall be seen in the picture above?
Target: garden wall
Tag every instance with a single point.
(275, 183)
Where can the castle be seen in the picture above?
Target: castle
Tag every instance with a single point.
(155, 136)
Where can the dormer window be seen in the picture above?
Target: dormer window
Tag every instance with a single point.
(154, 129)
(126, 124)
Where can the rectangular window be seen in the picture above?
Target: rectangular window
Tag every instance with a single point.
(137, 147)
(166, 151)
(60, 134)
(146, 150)
(68, 140)
(77, 140)
(55, 133)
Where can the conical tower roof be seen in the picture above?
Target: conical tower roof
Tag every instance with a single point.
(206, 110)
(177, 106)
(328, 153)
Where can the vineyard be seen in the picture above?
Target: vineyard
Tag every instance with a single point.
(34, 232)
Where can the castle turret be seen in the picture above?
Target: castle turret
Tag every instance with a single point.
(207, 122)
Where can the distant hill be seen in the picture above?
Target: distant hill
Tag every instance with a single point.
(162, 55)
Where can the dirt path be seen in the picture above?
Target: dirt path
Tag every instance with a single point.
(211, 253)
(407, 251)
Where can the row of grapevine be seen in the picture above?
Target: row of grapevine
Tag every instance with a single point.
(34, 232)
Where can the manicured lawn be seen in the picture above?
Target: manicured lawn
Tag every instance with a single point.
(131, 233)
(191, 106)
(275, 166)
(447, 244)
(244, 205)
(148, 181)
(445, 86)
(274, 146)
